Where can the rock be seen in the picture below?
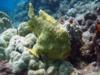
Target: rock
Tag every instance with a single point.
(26, 56)
(33, 64)
(52, 70)
(76, 72)
(42, 64)
(98, 10)
(80, 19)
(30, 40)
(18, 43)
(2, 54)
(65, 68)
(5, 68)
(90, 16)
(18, 54)
(13, 45)
(24, 29)
(8, 51)
(90, 69)
(98, 20)
(8, 34)
(18, 66)
(14, 56)
(72, 12)
(37, 72)
(3, 43)
(86, 36)
(89, 23)
(19, 61)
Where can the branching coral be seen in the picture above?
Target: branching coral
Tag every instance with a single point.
(52, 39)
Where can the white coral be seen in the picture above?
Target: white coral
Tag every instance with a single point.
(30, 40)
(7, 35)
(24, 29)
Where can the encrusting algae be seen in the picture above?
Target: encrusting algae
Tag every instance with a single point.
(52, 39)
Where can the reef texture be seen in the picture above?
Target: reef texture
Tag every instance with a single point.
(46, 46)
(59, 8)
(5, 21)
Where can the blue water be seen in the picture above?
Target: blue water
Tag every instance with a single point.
(19, 13)
(8, 6)
(11, 8)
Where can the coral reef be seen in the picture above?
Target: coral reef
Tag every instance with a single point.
(5, 21)
(75, 8)
(19, 58)
(17, 44)
(44, 45)
(66, 8)
(56, 8)
(91, 69)
(4, 40)
(24, 29)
